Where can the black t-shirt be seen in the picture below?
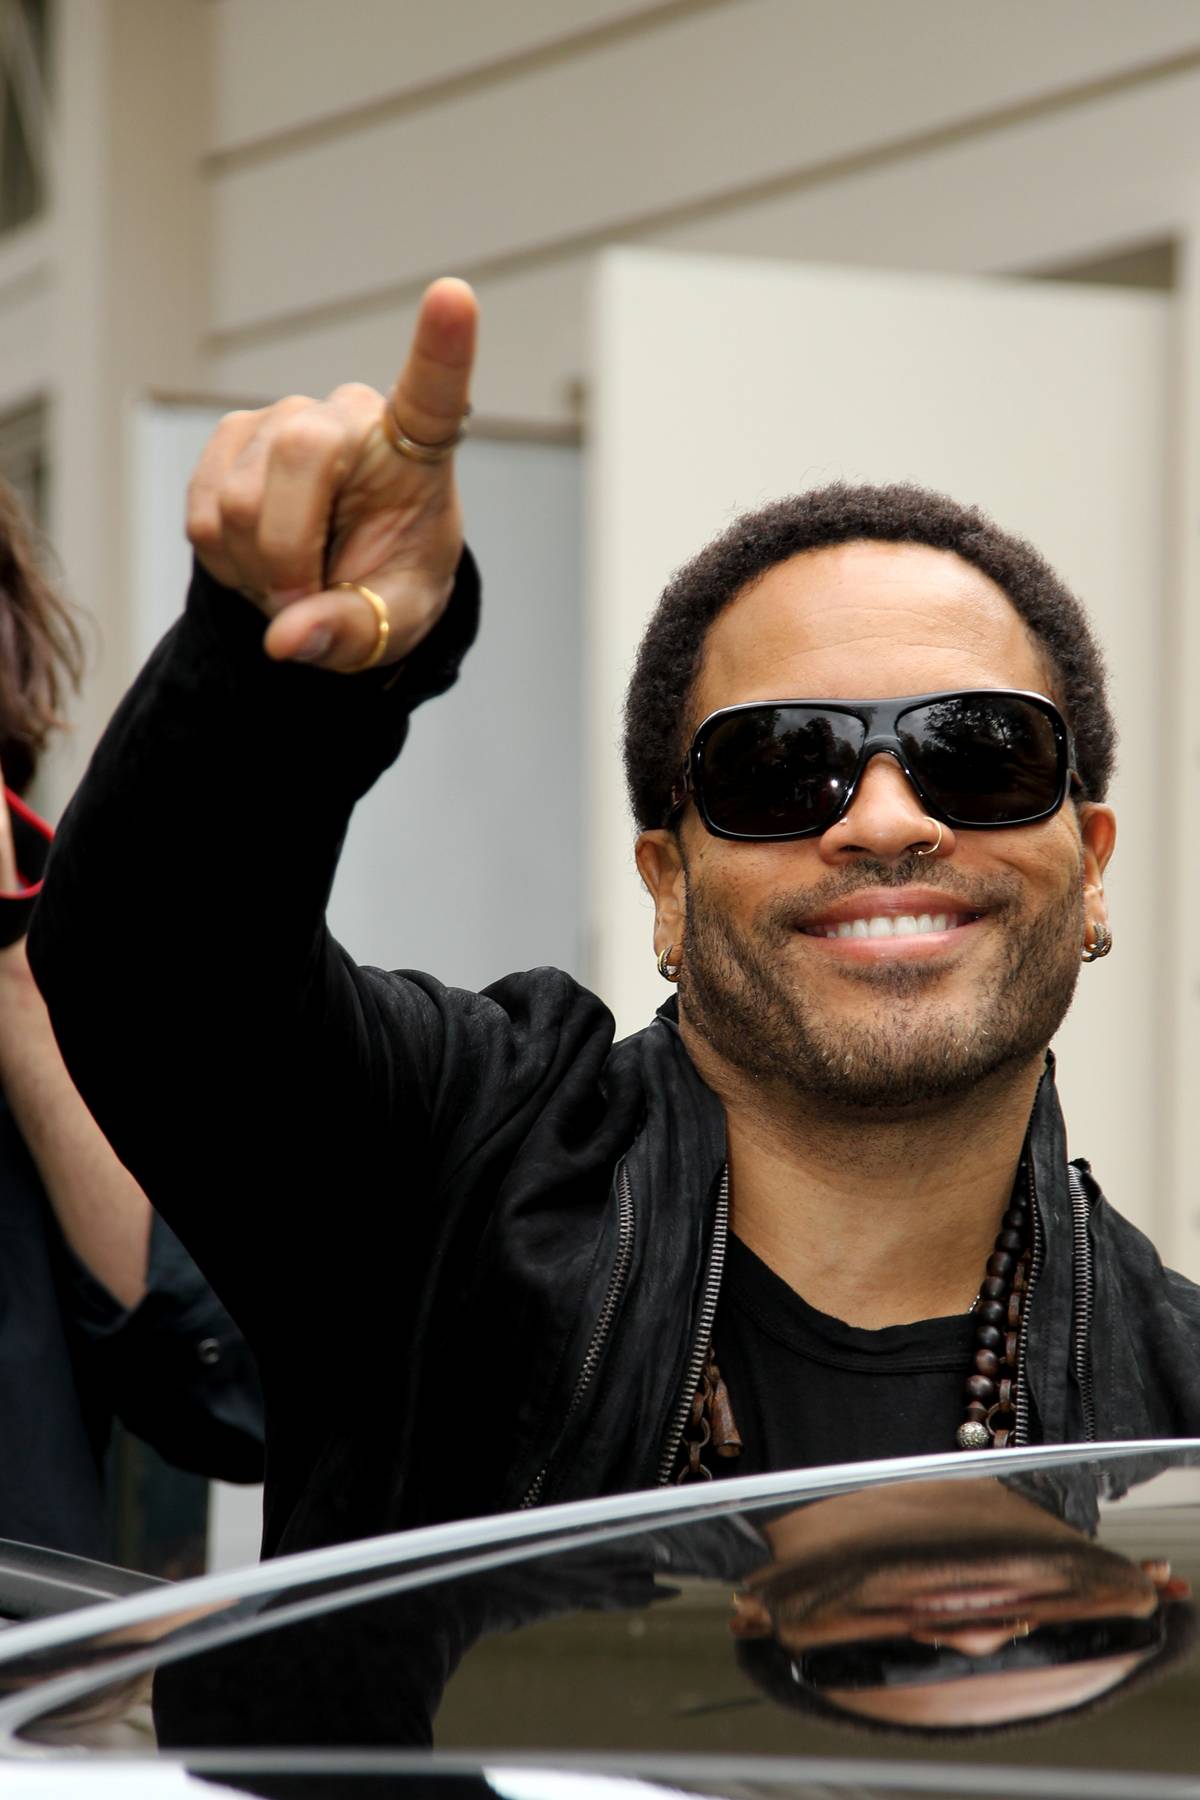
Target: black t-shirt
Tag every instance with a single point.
(806, 1389)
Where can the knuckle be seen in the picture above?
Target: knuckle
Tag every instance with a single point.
(306, 438)
(238, 503)
(203, 528)
(283, 551)
(355, 394)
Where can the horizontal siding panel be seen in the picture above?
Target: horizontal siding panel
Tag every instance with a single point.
(531, 349)
(739, 95)
(281, 65)
(1113, 174)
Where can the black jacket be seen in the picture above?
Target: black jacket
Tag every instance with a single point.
(469, 1240)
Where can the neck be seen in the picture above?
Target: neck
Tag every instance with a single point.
(877, 1220)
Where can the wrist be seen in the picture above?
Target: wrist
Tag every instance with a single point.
(22, 1008)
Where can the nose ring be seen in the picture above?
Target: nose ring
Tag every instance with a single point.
(937, 842)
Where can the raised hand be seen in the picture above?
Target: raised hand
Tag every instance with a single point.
(290, 501)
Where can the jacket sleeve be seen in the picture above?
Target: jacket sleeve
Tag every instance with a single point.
(268, 1094)
(175, 1368)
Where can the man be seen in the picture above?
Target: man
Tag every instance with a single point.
(478, 1250)
(101, 1311)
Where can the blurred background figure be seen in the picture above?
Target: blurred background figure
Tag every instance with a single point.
(101, 1311)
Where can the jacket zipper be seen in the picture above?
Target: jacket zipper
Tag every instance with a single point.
(1021, 1425)
(704, 1330)
(1081, 1312)
(616, 1284)
(1081, 1321)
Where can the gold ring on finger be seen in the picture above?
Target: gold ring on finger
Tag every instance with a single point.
(403, 445)
(382, 625)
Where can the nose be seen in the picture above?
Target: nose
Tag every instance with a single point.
(885, 819)
(971, 1640)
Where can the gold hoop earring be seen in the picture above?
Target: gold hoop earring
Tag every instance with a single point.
(937, 842)
(1101, 944)
(667, 969)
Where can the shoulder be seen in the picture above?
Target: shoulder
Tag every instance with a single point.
(1129, 1260)
(534, 1011)
(535, 1038)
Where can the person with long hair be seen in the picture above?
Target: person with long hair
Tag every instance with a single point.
(102, 1312)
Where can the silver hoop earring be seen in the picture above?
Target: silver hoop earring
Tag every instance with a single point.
(667, 969)
(1100, 945)
(937, 842)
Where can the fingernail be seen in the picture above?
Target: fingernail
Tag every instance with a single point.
(318, 641)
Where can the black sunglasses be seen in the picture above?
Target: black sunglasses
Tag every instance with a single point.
(904, 1662)
(978, 758)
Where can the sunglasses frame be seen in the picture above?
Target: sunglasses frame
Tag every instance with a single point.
(903, 1662)
(880, 718)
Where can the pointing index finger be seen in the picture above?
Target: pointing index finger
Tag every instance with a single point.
(429, 398)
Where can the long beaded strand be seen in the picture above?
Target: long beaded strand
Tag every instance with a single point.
(990, 1388)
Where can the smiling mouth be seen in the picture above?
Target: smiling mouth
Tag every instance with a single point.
(892, 925)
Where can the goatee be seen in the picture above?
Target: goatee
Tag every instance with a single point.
(740, 991)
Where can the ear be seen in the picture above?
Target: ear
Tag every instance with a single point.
(1168, 1586)
(750, 1617)
(660, 865)
(1098, 835)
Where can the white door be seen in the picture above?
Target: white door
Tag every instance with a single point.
(719, 384)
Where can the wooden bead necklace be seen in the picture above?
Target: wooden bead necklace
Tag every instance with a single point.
(990, 1415)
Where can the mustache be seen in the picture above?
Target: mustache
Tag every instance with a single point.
(992, 894)
(794, 1591)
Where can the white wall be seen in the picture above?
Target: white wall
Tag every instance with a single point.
(466, 858)
(511, 149)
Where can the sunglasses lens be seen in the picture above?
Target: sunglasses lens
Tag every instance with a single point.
(985, 759)
(909, 1662)
(778, 771)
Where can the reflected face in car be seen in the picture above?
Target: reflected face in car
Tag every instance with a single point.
(976, 1624)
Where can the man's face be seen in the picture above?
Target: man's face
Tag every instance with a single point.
(971, 1594)
(877, 1022)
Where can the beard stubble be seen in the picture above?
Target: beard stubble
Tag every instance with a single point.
(740, 991)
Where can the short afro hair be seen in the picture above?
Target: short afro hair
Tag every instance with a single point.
(668, 661)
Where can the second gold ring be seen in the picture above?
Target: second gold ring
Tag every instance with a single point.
(383, 624)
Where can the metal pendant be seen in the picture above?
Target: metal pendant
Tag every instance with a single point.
(973, 1436)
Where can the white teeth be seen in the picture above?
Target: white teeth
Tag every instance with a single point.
(886, 925)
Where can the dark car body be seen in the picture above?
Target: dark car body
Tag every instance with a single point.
(1017, 1621)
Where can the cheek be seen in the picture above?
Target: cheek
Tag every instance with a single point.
(1056, 860)
(1047, 859)
(744, 876)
